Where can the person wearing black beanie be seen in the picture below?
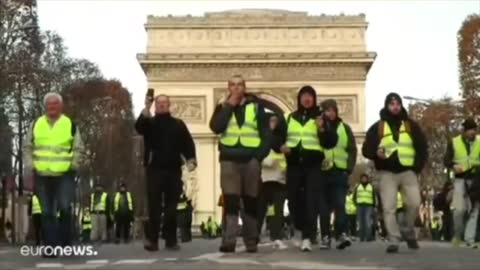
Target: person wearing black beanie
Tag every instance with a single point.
(302, 137)
(336, 167)
(463, 157)
(399, 149)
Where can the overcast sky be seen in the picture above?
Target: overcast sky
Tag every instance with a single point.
(415, 40)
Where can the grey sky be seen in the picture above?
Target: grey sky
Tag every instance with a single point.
(415, 40)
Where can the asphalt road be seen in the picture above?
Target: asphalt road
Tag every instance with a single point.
(203, 254)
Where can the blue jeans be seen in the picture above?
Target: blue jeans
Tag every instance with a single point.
(332, 193)
(55, 194)
(364, 216)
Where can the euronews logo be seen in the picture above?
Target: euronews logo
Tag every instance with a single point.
(58, 251)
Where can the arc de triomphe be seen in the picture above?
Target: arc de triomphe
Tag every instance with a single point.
(191, 58)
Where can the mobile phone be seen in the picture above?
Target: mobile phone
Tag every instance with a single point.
(150, 93)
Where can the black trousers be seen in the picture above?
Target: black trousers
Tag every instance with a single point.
(122, 226)
(184, 223)
(272, 193)
(163, 186)
(352, 225)
(37, 225)
(303, 200)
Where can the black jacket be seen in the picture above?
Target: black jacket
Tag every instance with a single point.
(448, 160)
(167, 139)
(392, 164)
(219, 122)
(299, 156)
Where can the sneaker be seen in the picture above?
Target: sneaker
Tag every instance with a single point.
(174, 247)
(392, 249)
(412, 244)
(150, 246)
(344, 242)
(227, 249)
(278, 244)
(326, 243)
(306, 245)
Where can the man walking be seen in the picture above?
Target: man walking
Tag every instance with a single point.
(169, 143)
(364, 197)
(303, 139)
(463, 156)
(99, 209)
(123, 213)
(242, 125)
(398, 148)
(336, 167)
(52, 153)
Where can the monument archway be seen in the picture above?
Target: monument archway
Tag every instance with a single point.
(277, 52)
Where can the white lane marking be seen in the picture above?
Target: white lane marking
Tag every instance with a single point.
(49, 265)
(6, 251)
(82, 266)
(145, 261)
(170, 259)
(319, 266)
(235, 261)
(97, 261)
(208, 256)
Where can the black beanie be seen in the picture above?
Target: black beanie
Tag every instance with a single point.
(469, 123)
(391, 97)
(329, 103)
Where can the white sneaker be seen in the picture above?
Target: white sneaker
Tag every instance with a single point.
(306, 245)
(278, 244)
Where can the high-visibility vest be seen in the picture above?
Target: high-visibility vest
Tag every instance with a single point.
(102, 205)
(339, 155)
(36, 208)
(306, 134)
(87, 222)
(247, 134)
(182, 206)
(271, 211)
(279, 157)
(350, 207)
(116, 201)
(399, 200)
(52, 146)
(461, 156)
(435, 224)
(365, 194)
(212, 226)
(404, 146)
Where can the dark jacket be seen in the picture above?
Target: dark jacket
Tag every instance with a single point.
(219, 122)
(374, 195)
(351, 146)
(392, 164)
(167, 139)
(448, 160)
(299, 156)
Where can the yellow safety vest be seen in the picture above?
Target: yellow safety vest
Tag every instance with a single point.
(52, 146)
(36, 208)
(404, 147)
(461, 156)
(247, 134)
(87, 222)
(435, 224)
(271, 211)
(278, 157)
(365, 194)
(350, 207)
(102, 206)
(307, 134)
(181, 206)
(338, 154)
(213, 227)
(116, 201)
(399, 200)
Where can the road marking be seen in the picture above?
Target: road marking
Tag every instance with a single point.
(235, 261)
(170, 259)
(319, 266)
(49, 265)
(145, 261)
(82, 266)
(97, 261)
(6, 251)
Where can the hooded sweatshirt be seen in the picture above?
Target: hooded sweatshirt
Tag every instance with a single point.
(238, 153)
(373, 138)
(328, 138)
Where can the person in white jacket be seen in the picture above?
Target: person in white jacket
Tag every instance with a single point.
(272, 193)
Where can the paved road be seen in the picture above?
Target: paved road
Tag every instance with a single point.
(202, 254)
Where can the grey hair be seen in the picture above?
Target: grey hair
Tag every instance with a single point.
(51, 95)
